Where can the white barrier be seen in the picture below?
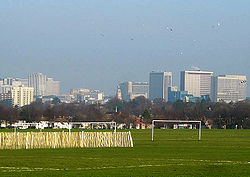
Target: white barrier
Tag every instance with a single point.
(32, 140)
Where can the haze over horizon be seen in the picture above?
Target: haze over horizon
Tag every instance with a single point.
(96, 44)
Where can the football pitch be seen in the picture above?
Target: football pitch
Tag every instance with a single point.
(173, 153)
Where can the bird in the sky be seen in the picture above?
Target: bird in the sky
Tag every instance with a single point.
(169, 29)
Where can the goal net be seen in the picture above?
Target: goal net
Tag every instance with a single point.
(178, 124)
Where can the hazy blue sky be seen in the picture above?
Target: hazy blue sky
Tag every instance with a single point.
(96, 44)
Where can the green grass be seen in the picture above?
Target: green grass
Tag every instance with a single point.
(173, 153)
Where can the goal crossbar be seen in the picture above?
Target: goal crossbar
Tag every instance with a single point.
(176, 121)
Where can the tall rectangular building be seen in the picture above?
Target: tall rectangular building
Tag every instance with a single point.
(196, 83)
(158, 85)
(131, 90)
(43, 86)
(229, 88)
(22, 96)
(52, 87)
(38, 82)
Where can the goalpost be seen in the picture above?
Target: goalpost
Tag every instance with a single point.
(102, 123)
(176, 121)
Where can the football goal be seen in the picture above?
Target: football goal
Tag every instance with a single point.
(176, 121)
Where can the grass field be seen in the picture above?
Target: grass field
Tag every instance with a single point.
(173, 153)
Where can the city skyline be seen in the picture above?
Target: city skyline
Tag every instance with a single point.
(84, 43)
(178, 86)
(124, 88)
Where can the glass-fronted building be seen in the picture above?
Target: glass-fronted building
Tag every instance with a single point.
(158, 85)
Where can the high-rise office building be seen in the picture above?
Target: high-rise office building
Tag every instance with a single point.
(43, 86)
(229, 88)
(196, 83)
(158, 85)
(131, 90)
(38, 82)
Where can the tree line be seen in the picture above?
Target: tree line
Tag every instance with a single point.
(219, 114)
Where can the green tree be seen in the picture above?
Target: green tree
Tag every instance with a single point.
(147, 116)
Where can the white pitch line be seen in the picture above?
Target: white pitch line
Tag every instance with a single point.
(130, 166)
(212, 162)
(24, 169)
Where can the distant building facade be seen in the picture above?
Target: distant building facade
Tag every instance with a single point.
(5, 96)
(5, 88)
(92, 97)
(6, 99)
(6, 83)
(229, 88)
(43, 86)
(52, 87)
(75, 93)
(158, 85)
(175, 95)
(14, 92)
(119, 93)
(130, 90)
(22, 96)
(196, 83)
(38, 82)
(87, 96)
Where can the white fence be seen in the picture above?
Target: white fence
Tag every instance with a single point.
(32, 140)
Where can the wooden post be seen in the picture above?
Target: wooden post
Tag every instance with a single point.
(31, 146)
(131, 141)
(26, 142)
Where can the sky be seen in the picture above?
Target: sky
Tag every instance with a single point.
(97, 44)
